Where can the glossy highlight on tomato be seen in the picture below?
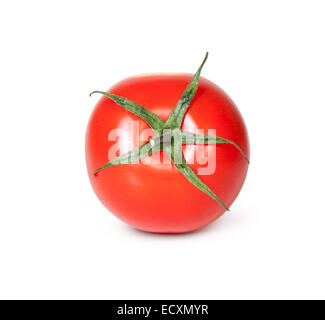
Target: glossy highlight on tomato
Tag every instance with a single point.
(157, 197)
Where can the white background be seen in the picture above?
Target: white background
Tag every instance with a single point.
(58, 241)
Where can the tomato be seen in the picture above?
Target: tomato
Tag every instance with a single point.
(157, 197)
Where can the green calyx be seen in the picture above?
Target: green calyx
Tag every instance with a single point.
(169, 136)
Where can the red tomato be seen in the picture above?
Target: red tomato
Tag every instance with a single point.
(157, 197)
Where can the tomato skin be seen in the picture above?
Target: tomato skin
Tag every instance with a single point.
(157, 197)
